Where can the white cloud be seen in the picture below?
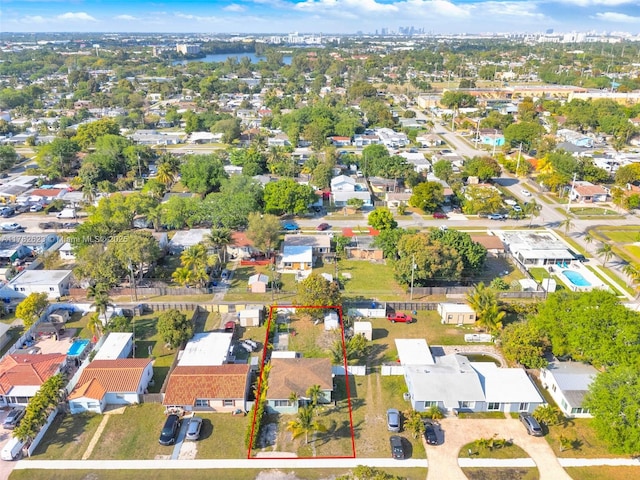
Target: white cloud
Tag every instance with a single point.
(616, 17)
(338, 7)
(34, 19)
(516, 9)
(594, 3)
(128, 18)
(234, 7)
(76, 16)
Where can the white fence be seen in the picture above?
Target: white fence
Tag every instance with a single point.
(43, 430)
(477, 337)
(367, 312)
(356, 370)
(386, 370)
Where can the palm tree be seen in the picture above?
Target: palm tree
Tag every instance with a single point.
(588, 238)
(567, 224)
(533, 210)
(101, 300)
(165, 174)
(95, 325)
(606, 251)
(293, 399)
(219, 238)
(305, 423)
(484, 301)
(634, 274)
(314, 393)
(182, 276)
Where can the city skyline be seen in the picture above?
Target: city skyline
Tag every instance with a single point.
(327, 16)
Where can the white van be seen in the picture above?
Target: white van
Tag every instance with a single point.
(12, 450)
(67, 213)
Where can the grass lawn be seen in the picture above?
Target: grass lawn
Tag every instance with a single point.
(133, 435)
(194, 474)
(310, 339)
(147, 338)
(79, 322)
(593, 211)
(368, 280)
(481, 415)
(587, 444)
(605, 281)
(622, 234)
(222, 435)
(604, 473)
(508, 451)
(68, 437)
(14, 334)
(501, 473)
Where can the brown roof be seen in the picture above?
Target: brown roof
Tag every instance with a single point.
(25, 369)
(297, 375)
(46, 192)
(589, 190)
(224, 382)
(490, 242)
(117, 375)
(240, 239)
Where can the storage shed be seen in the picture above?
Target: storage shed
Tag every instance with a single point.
(258, 283)
(331, 321)
(363, 328)
(251, 316)
(456, 313)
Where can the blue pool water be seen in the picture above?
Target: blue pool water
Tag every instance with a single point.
(576, 278)
(77, 347)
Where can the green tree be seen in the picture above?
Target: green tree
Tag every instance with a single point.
(39, 407)
(485, 302)
(427, 196)
(614, 401)
(485, 168)
(525, 133)
(286, 196)
(430, 259)
(305, 423)
(472, 253)
(314, 394)
(264, 231)
(30, 309)
(174, 328)
(382, 219)
(548, 414)
(230, 129)
(219, 238)
(355, 203)
(119, 323)
(317, 291)
(203, 174)
(414, 423)
(532, 209)
(88, 133)
(95, 325)
(56, 158)
(443, 170)
(481, 199)
(8, 157)
(522, 343)
(99, 293)
(606, 252)
(356, 347)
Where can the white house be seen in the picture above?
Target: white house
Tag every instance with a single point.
(297, 257)
(208, 348)
(183, 239)
(55, 283)
(116, 345)
(341, 198)
(110, 382)
(568, 382)
(456, 313)
(66, 252)
(418, 160)
(343, 183)
(21, 375)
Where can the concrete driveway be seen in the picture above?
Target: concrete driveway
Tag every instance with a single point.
(5, 435)
(443, 458)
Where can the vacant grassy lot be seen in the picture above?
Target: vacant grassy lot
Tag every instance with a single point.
(133, 435)
(68, 437)
(586, 443)
(501, 473)
(311, 339)
(222, 436)
(508, 451)
(222, 474)
(604, 473)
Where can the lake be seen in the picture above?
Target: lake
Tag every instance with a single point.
(221, 57)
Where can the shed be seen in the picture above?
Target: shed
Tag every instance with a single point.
(457, 313)
(258, 283)
(251, 316)
(331, 321)
(363, 328)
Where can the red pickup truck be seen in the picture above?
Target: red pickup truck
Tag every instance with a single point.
(399, 317)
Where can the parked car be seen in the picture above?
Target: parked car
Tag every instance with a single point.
(170, 430)
(531, 424)
(394, 422)
(397, 447)
(399, 317)
(12, 449)
(517, 208)
(230, 326)
(12, 420)
(7, 212)
(430, 433)
(36, 208)
(323, 226)
(193, 428)
(439, 215)
(12, 227)
(526, 193)
(495, 216)
(290, 227)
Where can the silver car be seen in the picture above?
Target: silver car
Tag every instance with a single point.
(193, 428)
(394, 423)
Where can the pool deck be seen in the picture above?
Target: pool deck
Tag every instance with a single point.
(51, 345)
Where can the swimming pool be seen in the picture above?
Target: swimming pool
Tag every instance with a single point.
(77, 347)
(576, 278)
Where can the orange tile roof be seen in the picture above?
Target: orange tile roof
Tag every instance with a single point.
(589, 190)
(297, 375)
(240, 239)
(118, 375)
(25, 369)
(91, 389)
(224, 382)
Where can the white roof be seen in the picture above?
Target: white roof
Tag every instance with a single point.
(4, 328)
(24, 391)
(114, 345)
(209, 348)
(41, 277)
(188, 238)
(342, 179)
(66, 247)
(456, 307)
(359, 327)
(572, 375)
(258, 277)
(297, 254)
(506, 385)
(414, 351)
(341, 196)
(318, 241)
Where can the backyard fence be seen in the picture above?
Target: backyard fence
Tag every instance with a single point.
(152, 398)
(355, 370)
(387, 370)
(36, 440)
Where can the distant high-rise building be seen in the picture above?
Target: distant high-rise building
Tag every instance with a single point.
(549, 31)
(187, 49)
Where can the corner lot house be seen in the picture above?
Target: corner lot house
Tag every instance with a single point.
(214, 388)
(296, 375)
(587, 192)
(110, 382)
(21, 375)
(568, 382)
(55, 283)
(456, 313)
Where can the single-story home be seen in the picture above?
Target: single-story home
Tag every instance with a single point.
(296, 375)
(341, 198)
(536, 249)
(241, 247)
(115, 345)
(66, 252)
(568, 382)
(258, 283)
(55, 283)
(319, 243)
(361, 247)
(296, 257)
(394, 200)
(118, 381)
(587, 192)
(206, 349)
(429, 140)
(183, 239)
(493, 244)
(21, 375)
(456, 313)
(217, 388)
(343, 183)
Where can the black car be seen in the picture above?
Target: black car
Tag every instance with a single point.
(430, 433)
(531, 424)
(170, 430)
(12, 420)
(397, 447)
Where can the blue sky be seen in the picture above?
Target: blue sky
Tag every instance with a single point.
(326, 16)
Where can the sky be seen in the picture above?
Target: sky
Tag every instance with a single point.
(319, 16)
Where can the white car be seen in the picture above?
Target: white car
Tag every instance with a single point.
(36, 208)
(12, 227)
(526, 193)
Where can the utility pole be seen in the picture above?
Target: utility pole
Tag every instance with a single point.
(518, 162)
(413, 269)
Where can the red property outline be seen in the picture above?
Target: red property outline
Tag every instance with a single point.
(346, 377)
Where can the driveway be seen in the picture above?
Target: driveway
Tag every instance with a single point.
(5, 435)
(443, 459)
